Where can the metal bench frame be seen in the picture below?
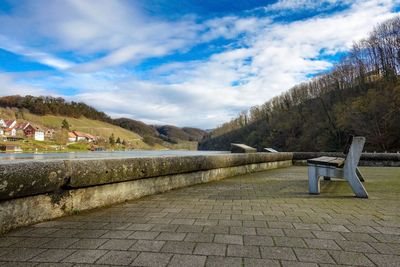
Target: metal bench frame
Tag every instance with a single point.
(349, 171)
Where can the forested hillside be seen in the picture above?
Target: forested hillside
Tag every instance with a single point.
(48, 105)
(360, 96)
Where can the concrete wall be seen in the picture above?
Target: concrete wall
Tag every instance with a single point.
(35, 191)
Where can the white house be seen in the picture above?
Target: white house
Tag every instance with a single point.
(1, 130)
(2, 123)
(39, 135)
(10, 123)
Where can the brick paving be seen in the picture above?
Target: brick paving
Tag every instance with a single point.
(262, 219)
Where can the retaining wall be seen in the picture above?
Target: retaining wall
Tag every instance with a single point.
(34, 191)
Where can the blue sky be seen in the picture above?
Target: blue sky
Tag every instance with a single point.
(188, 63)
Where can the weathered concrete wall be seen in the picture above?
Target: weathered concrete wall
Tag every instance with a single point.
(21, 179)
(367, 159)
(47, 193)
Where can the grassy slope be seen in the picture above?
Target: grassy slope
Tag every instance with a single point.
(83, 124)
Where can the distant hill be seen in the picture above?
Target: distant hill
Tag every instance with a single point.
(175, 134)
(136, 126)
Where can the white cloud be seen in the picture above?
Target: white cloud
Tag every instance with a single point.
(266, 60)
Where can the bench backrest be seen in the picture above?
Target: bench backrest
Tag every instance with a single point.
(354, 152)
(348, 144)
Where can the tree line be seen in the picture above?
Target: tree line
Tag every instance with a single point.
(48, 105)
(360, 96)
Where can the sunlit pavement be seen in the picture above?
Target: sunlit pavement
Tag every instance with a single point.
(262, 219)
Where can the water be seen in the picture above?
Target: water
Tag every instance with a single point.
(105, 154)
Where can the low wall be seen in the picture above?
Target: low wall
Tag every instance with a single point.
(367, 159)
(35, 191)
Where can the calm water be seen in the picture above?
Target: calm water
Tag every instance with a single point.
(105, 154)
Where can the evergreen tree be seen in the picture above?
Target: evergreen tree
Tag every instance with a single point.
(118, 140)
(65, 125)
(111, 139)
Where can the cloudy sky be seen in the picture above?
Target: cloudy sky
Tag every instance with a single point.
(189, 63)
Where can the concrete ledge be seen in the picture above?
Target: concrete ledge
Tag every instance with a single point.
(367, 159)
(31, 209)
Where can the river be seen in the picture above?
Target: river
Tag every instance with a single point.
(105, 154)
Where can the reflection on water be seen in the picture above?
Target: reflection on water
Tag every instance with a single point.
(105, 154)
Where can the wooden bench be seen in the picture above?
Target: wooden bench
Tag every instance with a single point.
(343, 168)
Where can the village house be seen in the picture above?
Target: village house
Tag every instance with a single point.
(2, 130)
(76, 136)
(48, 134)
(8, 123)
(39, 135)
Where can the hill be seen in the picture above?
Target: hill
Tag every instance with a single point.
(94, 127)
(359, 96)
(175, 134)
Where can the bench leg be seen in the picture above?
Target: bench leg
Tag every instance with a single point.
(360, 176)
(356, 185)
(313, 180)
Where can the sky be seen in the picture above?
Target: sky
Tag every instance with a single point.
(191, 63)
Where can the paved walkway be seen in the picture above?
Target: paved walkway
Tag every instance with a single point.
(263, 219)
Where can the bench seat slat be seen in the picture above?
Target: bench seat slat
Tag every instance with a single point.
(327, 161)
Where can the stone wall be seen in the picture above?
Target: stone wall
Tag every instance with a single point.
(34, 191)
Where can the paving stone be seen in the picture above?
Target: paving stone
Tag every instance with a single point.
(140, 227)
(385, 260)
(334, 228)
(116, 234)
(260, 262)
(148, 245)
(280, 225)
(214, 261)
(187, 260)
(118, 257)
(165, 228)
(216, 229)
(60, 242)
(118, 244)
(210, 249)
(356, 246)
(199, 237)
(258, 240)
(53, 255)
(242, 230)
(359, 237)
(152, 259)
(386, 248)
(31, 242)
(283, 241)
(85, 256)
(313, 255)
(178, 247)
(328, 235)
(298, 233)
(20, 254)
(351, 258)
(171, 236)
(307, 226)
(229, 239)
(321, 243)
(278, 253)
(298, 264)
(270, 232)
(88, 243)
(183, 221)
(190, 229)
(243, 251)
(90, 233)
(8, 241)
(144, 235)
